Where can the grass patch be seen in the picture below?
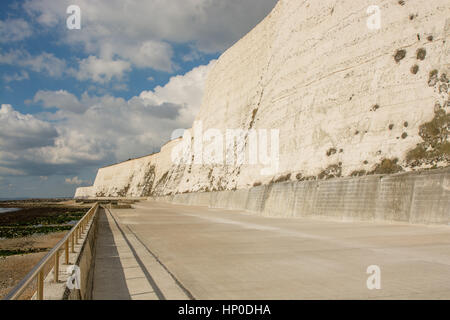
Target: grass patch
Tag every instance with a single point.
(358, 173)
(435, 146)
(433, 78)
(414, 69)
(284, 178)
(387, 166)
(421, 54)
(399, 55)
(333, 171)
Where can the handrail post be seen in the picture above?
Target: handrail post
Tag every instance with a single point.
(40, 285)
(73, 242)
(56, 267)
(67, 251)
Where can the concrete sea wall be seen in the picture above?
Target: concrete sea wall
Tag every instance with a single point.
(417, 198)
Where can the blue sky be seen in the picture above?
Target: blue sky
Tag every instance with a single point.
(75, 100)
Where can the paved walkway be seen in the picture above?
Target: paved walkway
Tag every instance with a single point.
(164, 251)
(125, 269)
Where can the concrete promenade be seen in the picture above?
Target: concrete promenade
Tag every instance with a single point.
(164, 251)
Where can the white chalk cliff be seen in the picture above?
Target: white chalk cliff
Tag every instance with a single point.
(347, 100)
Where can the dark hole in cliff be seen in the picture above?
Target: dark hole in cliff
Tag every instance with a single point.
(399, 55)
(414, 69)
(257, 184)
(401, 2)
(421, 53)
(366, 162)
(404, 135)
(375, 107)
(430, 38)
(391, 126)
(406, 124)
(331, 151)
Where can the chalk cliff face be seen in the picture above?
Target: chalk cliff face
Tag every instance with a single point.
(347, 100)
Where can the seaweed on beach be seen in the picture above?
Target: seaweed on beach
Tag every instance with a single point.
(16, 252)
(10, 232)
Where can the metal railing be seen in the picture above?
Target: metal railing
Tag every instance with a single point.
(66, 244)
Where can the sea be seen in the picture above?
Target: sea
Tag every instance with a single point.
(4, 210)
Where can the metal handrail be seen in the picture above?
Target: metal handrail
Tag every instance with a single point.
(72, 238)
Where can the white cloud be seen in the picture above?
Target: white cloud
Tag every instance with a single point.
(14, 30)
(59, 99)
(150, 54)
(100, 70)
(110, 129)
(44, 62)
(11, 172)
(185, 90)
(140, 31)
(19, 131)
(74, 181)
(23, 75)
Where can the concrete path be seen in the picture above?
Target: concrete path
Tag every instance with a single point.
(165, 251)
(125, 270)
